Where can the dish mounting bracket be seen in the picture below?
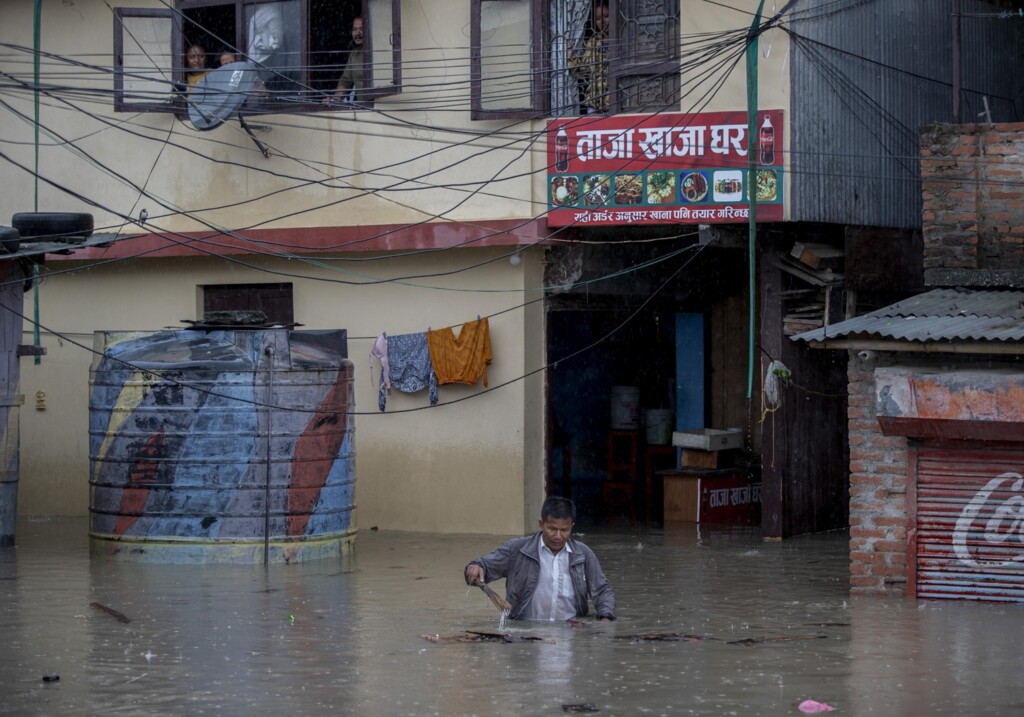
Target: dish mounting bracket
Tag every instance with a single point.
(249, 131)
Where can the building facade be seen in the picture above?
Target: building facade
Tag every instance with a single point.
(425, 201)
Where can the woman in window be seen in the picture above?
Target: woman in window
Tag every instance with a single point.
(195, 63)
(590, 66)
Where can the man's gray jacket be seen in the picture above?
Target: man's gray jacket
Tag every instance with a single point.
(518, 561)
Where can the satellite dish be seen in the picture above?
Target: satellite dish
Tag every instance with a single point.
(220, 94)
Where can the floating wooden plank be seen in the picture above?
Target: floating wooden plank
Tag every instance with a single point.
(119, 616)
(781, 638)
(477, 636)
(664, 637)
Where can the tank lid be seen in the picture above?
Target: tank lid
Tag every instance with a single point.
(235, 319)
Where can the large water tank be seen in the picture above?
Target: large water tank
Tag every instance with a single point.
(221, 446)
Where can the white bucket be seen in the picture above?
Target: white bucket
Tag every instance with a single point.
(658, 422)
(625, 408)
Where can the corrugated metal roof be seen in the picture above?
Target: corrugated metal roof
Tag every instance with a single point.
(937, 315)
(30, 247)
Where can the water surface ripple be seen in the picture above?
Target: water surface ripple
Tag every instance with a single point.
(767, 625)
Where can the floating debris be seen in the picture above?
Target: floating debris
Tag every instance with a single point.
(119, 616)
(759, 640)
(664, 637)
(581, 707)
(811, 706)
(51, 677)
(476, 636)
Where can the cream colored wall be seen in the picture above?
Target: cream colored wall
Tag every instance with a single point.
(534, 386)
(773, 67)
(457, 468)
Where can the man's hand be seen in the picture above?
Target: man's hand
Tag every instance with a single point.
(474, 574)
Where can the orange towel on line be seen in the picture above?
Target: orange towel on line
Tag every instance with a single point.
(463, 359)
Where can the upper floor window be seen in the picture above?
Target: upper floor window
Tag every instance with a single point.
(568, 57)
(273, 300)
(306, 51)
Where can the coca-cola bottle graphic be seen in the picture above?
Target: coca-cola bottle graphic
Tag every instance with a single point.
(561, 150)
(766, 142)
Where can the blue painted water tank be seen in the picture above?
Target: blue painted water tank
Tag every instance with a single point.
(221, 446)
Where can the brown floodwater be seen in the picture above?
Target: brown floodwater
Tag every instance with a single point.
(770, 623)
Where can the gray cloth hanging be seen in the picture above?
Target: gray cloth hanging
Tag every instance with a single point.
(409, 367)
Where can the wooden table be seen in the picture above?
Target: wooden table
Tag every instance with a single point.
(724, 495)
(656, 459)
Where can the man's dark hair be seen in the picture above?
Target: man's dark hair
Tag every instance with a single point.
(559, 508)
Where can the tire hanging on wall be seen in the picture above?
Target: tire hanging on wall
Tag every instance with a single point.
(10, 239)
(68, 227)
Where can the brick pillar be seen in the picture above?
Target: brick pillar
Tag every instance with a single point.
(878, 490)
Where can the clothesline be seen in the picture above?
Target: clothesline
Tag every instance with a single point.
(412, 362)
(385, 333)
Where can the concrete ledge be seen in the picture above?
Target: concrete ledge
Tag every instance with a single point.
(977, 404)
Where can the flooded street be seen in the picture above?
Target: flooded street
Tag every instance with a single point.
(772, 624)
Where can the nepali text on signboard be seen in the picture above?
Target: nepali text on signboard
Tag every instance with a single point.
(663, 169)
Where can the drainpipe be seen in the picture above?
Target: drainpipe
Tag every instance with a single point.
(752, 184)
(956, 62)
(37, 19)
(269, 351)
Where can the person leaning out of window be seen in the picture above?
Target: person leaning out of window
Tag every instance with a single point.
(590, 65)
(353, 77)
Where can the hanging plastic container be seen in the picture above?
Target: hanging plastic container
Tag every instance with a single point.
(625, 403)
(221, 446)
(658, 424)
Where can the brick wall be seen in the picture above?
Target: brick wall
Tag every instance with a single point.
(878, 489)
(973, 197)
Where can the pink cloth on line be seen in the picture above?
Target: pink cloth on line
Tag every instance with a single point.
(380, 350)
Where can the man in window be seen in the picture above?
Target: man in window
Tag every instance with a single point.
(590, 66)
(354, 77)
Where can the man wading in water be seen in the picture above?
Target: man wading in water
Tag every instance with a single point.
(548, 576)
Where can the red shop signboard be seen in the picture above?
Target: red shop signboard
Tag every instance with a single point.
(662, 169)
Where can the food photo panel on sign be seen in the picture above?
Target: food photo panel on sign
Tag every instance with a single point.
(693, 187)
(728, 186)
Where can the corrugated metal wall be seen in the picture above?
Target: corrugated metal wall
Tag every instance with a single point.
(866, 75)
(967, 520)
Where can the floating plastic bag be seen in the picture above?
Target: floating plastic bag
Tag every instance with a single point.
(810, 706)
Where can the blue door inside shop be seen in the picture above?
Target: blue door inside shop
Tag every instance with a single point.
(689, 371)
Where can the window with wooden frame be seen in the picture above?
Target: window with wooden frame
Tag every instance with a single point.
(521, 57)
(274, 300)
(300, 47)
